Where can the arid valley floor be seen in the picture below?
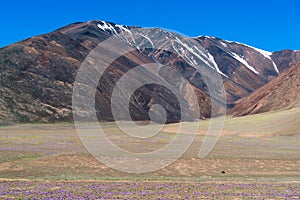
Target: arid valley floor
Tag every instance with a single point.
(259, 156)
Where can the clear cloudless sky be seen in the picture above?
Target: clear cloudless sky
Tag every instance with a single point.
(270, 25)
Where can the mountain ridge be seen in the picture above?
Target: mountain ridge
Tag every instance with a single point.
(37, 74)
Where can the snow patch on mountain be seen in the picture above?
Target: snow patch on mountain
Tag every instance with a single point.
(121, 27)
(196, 54)
(147, 38)
(244, 62)
(223, 44)
(107, 27)
(212, 60)
(265, 53)
(126, 33)
(206, 55)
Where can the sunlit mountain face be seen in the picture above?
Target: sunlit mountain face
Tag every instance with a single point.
(38, 74)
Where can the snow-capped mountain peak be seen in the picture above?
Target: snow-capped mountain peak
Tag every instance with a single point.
(239, 52)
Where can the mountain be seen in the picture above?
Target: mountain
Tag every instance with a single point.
(282, 92)
(38, 74)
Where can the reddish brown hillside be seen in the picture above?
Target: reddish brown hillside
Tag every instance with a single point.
(282, 92)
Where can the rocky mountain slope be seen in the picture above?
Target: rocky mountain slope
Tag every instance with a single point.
(37, 74)
(282, 92)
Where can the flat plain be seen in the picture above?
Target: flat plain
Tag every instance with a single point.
(256, 157)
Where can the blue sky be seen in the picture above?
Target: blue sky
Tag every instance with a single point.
(270, 25)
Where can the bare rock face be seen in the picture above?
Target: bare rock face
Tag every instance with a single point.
(282, 92)
(285, 58)
(37, 75)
